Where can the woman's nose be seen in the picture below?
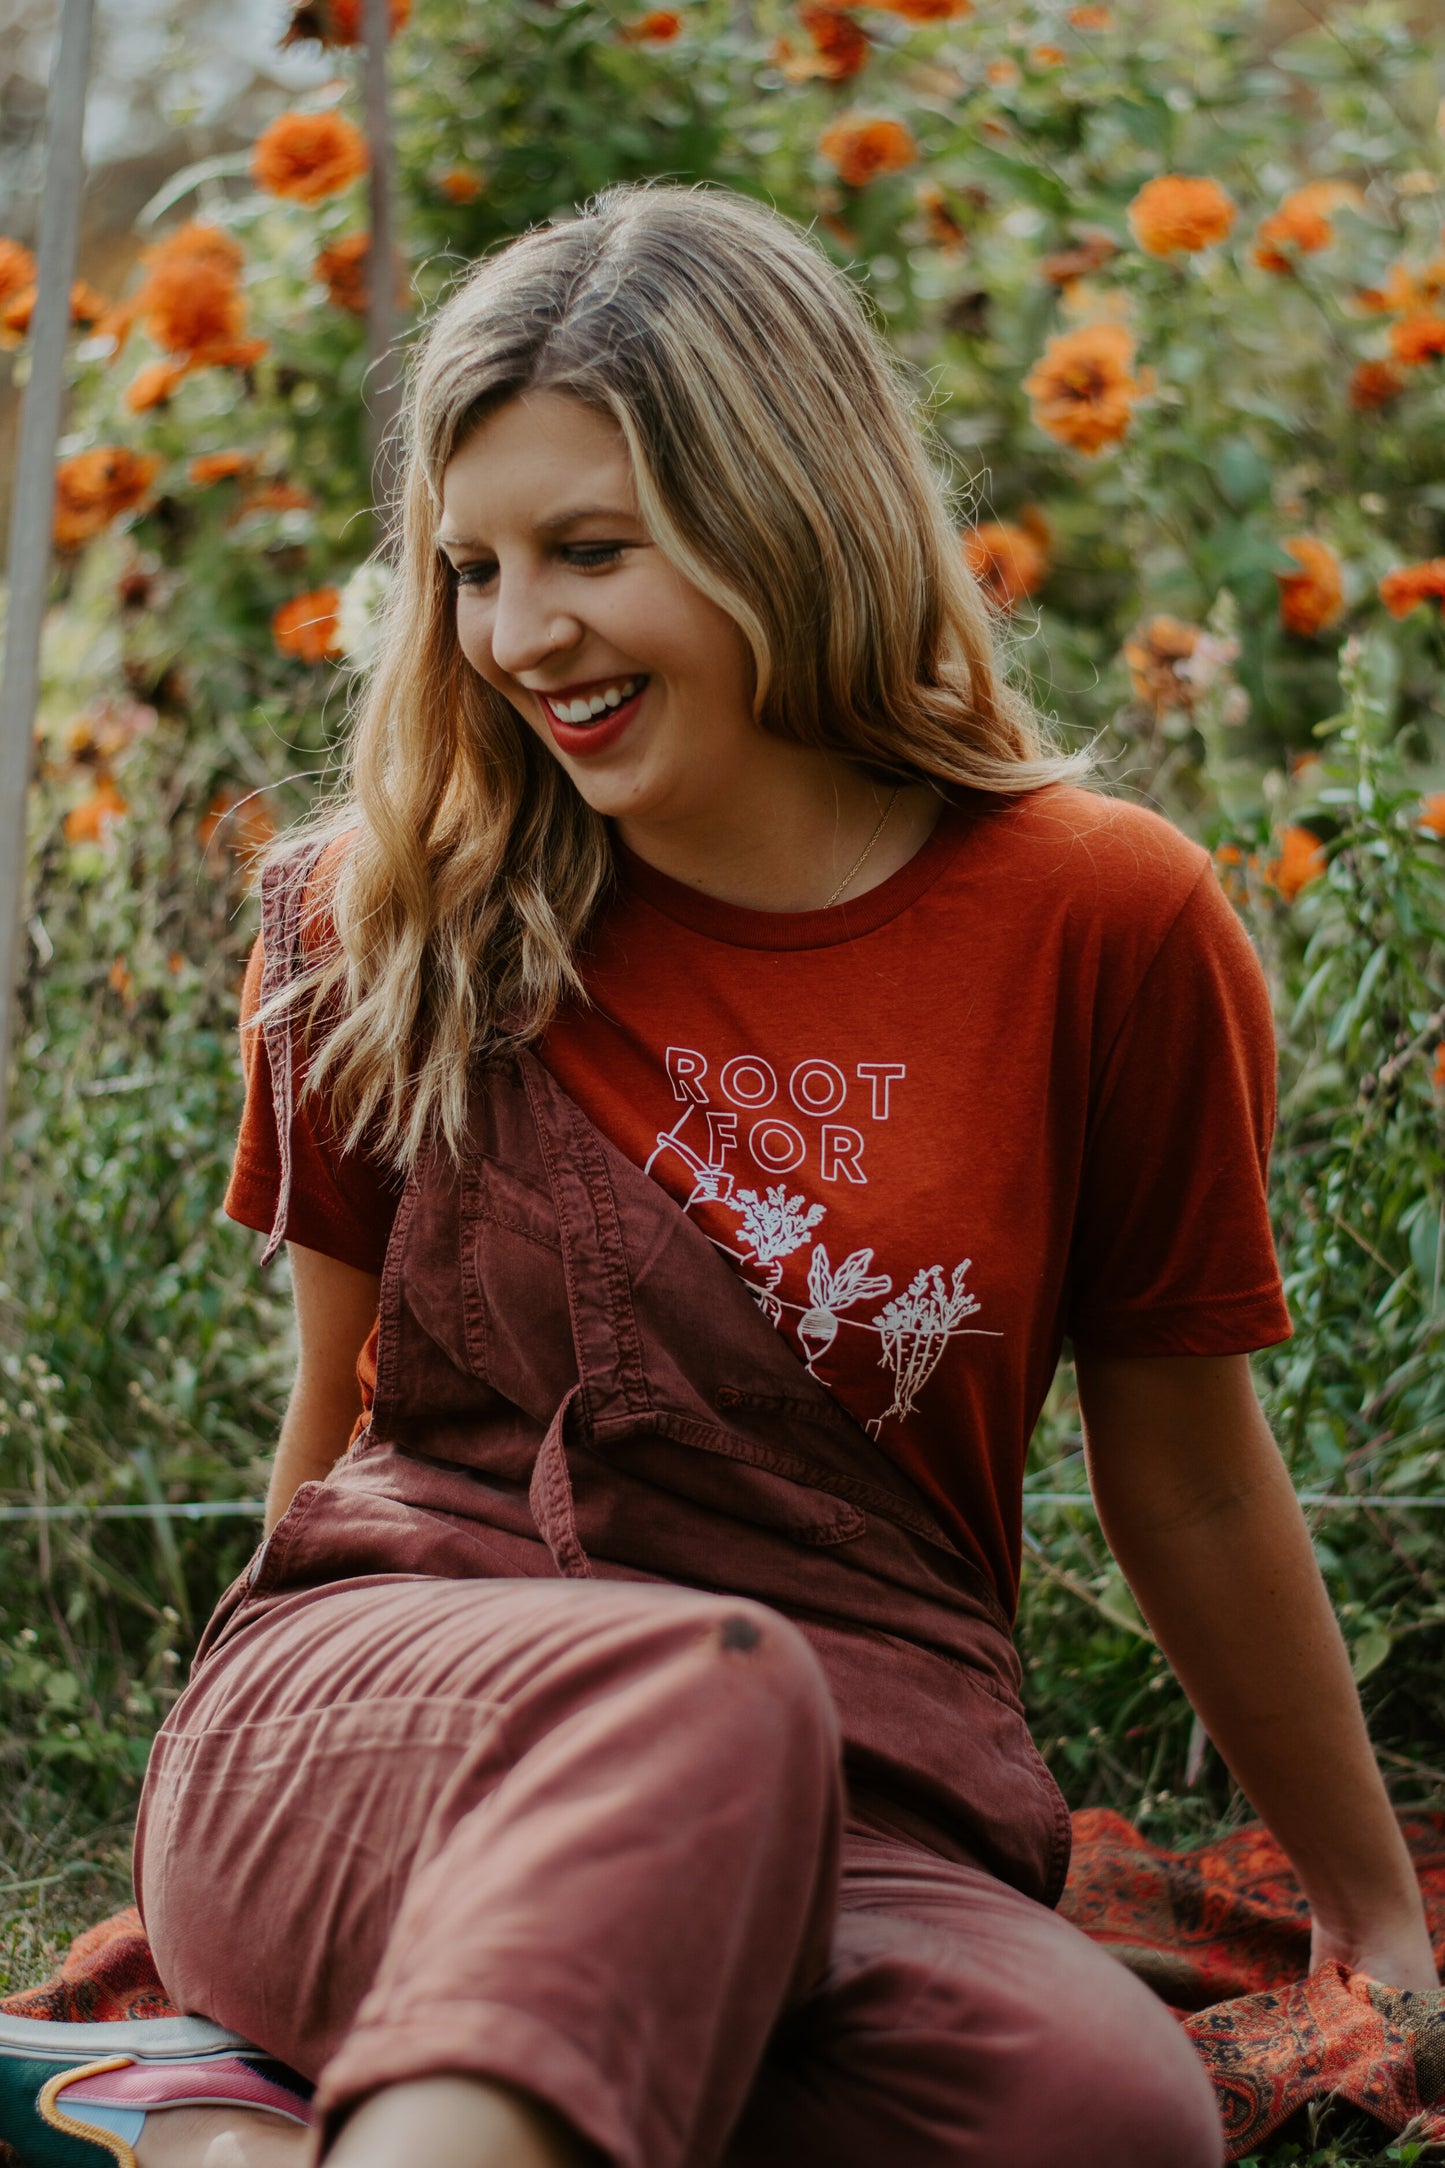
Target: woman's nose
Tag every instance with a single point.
(528, 627)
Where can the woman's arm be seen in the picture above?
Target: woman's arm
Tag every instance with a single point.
(1197, 1506)
(335, 1310)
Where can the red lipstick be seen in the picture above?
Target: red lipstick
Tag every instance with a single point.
(582, 739)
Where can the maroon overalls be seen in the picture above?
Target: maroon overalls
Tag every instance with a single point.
(618, 1722)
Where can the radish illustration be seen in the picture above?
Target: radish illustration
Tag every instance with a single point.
(834, 1291)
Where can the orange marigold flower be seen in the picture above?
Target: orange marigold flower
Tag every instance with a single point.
(1092, 18)
(220, 467)
(1404, 589)
(15, 316)
(307, 626)
(309, 155)
(859, 149)
(1301, 226)
(944, 230)
(243, 823)
(1083, 388)
(1374, 384)
(92, 820)
(928, 11)
(95, 487)
(1301, 860)
(459, 186)
(1437, 1074)
(1432, 813)
(230, 354)
(17, 268)
(1417, 339)
(196, 242)
(1007, 560)
(1234, 871)
(87, 309)
(1093, 248)
(1401, 291)
(276, 497)
(154, 384)
(1048, 56)
(1312, 599)
(1003, 74)
(121, 982)
(1179, 213)
(841, 44)
(1155, 655)
(341, 269)
(337, 22)
(87, 306)
(191, 302)
(106, 729)
(658, 28)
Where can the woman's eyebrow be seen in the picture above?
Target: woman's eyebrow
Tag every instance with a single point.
(546, 526)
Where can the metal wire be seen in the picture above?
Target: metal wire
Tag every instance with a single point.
(1333, 1500)
(188, 1509)
(202, 1509)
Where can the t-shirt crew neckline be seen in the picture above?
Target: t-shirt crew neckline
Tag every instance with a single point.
(741, 927)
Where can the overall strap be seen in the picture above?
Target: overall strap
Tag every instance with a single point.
(283, 914)
(608, 1345)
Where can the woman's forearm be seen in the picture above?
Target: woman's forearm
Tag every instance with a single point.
(1199, 1510)
(314, 1436)
(335, 1308)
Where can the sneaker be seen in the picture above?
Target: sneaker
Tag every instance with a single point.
(77, 2096)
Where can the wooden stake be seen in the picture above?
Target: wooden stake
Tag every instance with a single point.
(33, 506)
(383, 396)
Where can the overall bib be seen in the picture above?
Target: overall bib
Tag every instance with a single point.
(618, 1722)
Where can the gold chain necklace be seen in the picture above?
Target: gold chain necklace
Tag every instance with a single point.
(867, 851)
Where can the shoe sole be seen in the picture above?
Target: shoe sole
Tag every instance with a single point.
(147, 2039)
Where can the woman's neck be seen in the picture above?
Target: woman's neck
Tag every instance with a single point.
(820, 831)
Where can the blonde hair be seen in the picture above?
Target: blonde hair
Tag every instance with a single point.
(779, 463)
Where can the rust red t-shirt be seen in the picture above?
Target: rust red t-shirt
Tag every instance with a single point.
(1023, 1089)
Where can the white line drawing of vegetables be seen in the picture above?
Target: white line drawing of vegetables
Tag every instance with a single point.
(774, 1226)
(834, 1291)
(915, 1328)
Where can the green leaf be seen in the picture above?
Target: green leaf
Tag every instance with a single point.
(1369, 1652)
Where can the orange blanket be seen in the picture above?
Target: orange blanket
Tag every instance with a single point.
(1221, 1933)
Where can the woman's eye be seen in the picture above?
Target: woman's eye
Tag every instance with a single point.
(591, 556)
(473, 575)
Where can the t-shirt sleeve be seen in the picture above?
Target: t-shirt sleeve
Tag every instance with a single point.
(1173, 1252)
(341, 1203)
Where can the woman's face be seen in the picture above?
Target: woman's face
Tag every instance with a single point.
(637, 683)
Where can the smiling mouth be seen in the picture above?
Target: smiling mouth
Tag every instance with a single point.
(584, 710)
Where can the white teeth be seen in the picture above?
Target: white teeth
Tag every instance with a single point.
(586, 708)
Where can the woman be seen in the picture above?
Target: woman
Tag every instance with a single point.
(713, 1057)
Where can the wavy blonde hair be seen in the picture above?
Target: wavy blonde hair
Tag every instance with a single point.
(779, 462)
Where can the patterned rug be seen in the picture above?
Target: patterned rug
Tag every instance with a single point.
(1221, 1933)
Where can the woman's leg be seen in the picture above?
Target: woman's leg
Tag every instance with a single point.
(578, 1839)
(442, 2122)
(963, 2026)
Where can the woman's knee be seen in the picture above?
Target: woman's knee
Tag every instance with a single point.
(1135, 2096)
(1098, 2058)
(749, 1684)
(929, 2045)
